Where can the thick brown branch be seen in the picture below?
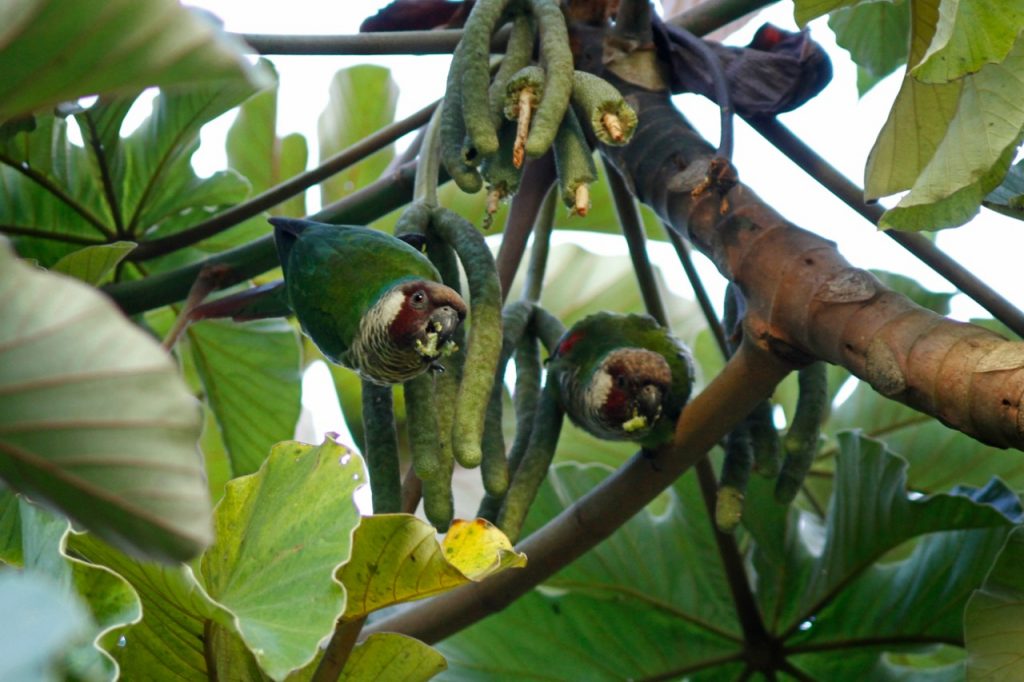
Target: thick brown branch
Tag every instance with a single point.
(749, 377)
(806, 302)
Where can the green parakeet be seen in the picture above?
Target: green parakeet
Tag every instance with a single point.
(622, 377)
(369, 301)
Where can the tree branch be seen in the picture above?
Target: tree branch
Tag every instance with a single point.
(260, 255)
(926, 251)
(538, 176)
(749, 377)
(380, 43)
(285, 190)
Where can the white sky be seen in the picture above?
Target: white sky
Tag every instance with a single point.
(837, 124)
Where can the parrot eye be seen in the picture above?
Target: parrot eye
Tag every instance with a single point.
(620, 382)
(418, 300)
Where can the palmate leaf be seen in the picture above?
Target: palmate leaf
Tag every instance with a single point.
(256, 152)
(252, 378)
(53, 52)
(362, 100)
(969, 34)
(836, 609)
(876, 34)
(124, 466)
(264, 595)
(94, 264)
(992, 622)
(111, 602)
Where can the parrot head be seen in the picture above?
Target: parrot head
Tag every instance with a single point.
(622, 377)
(370, 301)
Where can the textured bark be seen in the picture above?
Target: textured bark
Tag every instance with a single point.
(805, 301)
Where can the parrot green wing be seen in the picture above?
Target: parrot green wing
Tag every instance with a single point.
(335, 273)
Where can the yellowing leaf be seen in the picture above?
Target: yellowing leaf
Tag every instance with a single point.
(397, 558)
(478, 549)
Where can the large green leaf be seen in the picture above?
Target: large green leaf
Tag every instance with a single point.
(168, 643)
(967, 166)
(281, 534)
(995, 642)
(969, 34)
(160, 181)
(805, 10)
(94, 264)
(123, 465)
(47, 186)
(252, 377)
(621, 610)
(397, 558)
(876, 34)
(1008, 198)
(255, 150)
(111, 601)
(42, 620)
(390, 656)
(52, 51)
(362, 101)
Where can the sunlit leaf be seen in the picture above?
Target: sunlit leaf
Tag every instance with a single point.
(41, 621)
(123, 466)
(281, 533)
(805, 10)
(397, 558)
(94, 264)
(252, 376)
(362, 100)
(969, 35)
(995, 642)
(53, 52)
(255, 150)
(967, 166)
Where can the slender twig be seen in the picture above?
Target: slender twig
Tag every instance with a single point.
(260, 255)
(338, 649)
(45, 182)
(749, 377)
(53, 236)
(743, 596)
(853, 196)
(109, 190)
(538, 176)
(412, 491)
(633, 231)
(206, 283)
(534, 281)
(701, 294)
(385, 42)
(285, 190)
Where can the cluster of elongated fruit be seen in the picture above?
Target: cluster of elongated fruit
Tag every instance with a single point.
(377, 304)
(489, 126)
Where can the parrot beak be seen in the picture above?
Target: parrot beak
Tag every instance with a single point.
(445, 320)
(649, 402)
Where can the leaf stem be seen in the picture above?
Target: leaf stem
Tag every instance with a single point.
(699, 292)
(338, 650)
(285, 190)
(108, 182)
(424, 188)
(51, 187)
(538, 177)
(534, 282)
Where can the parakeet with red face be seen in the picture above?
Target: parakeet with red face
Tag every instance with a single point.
(622, 377)
(369, 301)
